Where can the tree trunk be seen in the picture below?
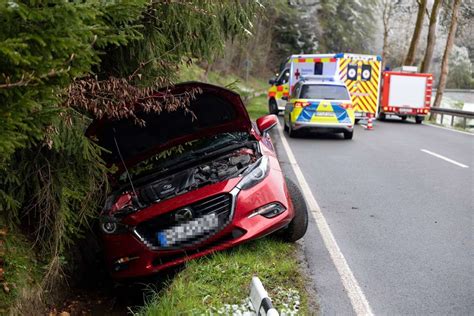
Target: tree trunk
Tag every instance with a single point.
(410, 59)
(447, 52)
(386, 14)
(430, 44)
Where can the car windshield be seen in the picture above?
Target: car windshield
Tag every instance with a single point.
(326, 92)
(183, 152)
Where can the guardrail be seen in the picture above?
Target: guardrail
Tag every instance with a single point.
(453, 113)
(467, 91)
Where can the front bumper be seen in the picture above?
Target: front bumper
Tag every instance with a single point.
(338, 127)
(127, 255)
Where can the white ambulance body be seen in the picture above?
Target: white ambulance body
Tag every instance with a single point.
(360, 73)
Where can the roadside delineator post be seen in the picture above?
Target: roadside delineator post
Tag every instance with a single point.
(369, 123)
(260, 300)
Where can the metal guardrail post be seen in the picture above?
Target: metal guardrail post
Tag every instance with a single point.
(453, 113)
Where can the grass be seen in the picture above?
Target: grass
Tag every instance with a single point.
(206, 285)
(23, 272)
(246, 89)
(257, 107)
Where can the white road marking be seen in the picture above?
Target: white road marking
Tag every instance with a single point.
(448, 129)
(444, 158)
(354, 292)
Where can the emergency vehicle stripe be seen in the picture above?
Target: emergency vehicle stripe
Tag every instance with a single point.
(365, 103)
(375, 71)
(343, 68)
(368, 87)
(361, 105)
(368, 100)
(314, 60)
(363, 93)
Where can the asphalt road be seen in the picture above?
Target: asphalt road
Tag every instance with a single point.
(402, 218)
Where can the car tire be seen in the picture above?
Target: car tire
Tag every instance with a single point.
(285, 127)
(404, 118)
(291, 131)
(356, 121)
(272, 107)
(382, 116)
(348, 135)
(299, 224)
(419, 119)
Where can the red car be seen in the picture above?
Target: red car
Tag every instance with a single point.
(192, 182)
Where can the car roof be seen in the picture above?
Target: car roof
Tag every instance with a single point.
(323, 82)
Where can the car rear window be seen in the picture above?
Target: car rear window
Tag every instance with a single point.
(327, 92)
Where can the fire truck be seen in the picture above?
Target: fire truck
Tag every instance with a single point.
(406, 93)
(360, 73)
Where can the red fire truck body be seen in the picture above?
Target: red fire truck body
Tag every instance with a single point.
(406, 94)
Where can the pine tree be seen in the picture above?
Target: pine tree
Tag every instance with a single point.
(55, 58)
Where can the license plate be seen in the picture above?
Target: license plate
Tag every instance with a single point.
(326, 114)
(197, 227)
(405, 110)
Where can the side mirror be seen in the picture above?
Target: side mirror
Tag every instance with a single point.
(271, 81)
(266, 123)
(284, 98)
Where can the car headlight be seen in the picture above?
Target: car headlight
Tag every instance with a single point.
(254, 174)
(112, 226)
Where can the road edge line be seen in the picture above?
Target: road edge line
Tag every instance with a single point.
(448, 129)
(357, 297)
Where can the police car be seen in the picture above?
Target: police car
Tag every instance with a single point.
(319, 103)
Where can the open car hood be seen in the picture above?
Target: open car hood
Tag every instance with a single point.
(216, 110)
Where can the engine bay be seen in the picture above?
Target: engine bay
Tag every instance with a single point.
(220, 168)
(225, 167)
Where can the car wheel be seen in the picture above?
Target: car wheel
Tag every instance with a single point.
(285, 127)
(348, 135)
(382, 116)
(298, 225)
(356, 121)
(291, 131)
(404, 118)
(273, 107)
(419, 119)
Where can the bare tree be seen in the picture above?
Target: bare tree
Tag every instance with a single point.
(386, 15)
(431, 41)
(410, 59)
(447, 52)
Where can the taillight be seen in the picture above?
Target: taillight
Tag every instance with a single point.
(385, 108)
(301, 104)
(347, 105)
(426, 111)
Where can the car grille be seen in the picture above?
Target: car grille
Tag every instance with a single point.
(220, 205)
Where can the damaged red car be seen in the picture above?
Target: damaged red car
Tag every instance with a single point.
(192, 182)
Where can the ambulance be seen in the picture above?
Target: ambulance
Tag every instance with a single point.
(278, 92)
(360, 73)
